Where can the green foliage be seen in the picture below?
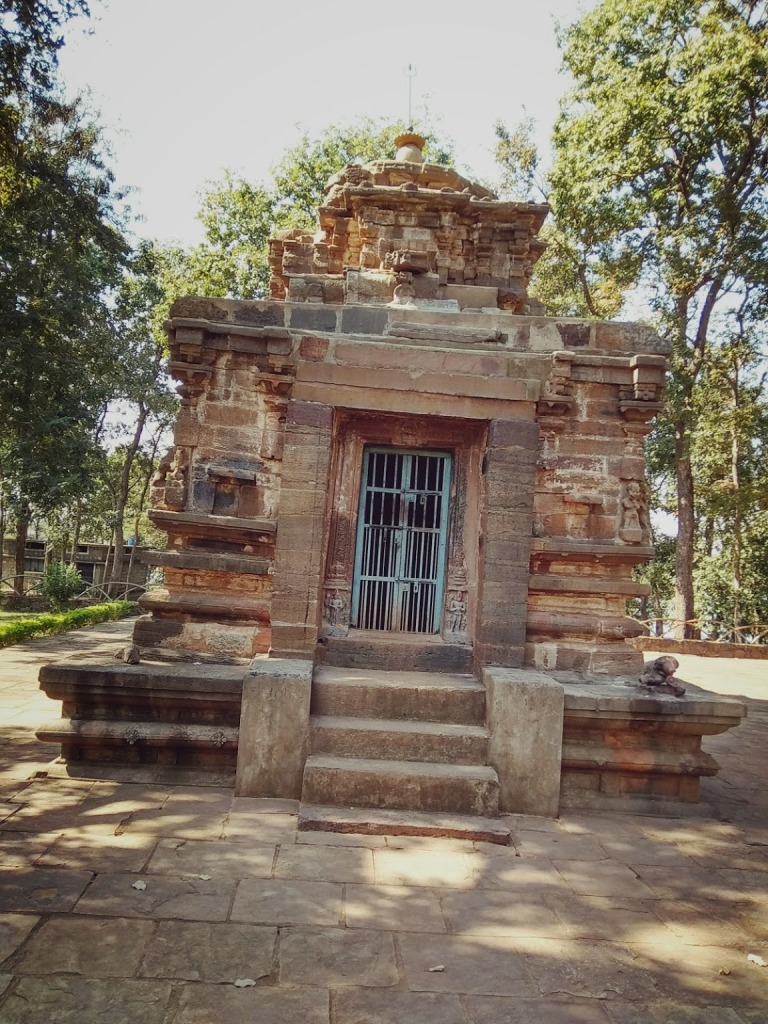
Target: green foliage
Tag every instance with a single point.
(570, 278)
(49, 625)
(60, 582)
(660, 172)
(239, 216)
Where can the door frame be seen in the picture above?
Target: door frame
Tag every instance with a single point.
(442, 551)
(465, 441)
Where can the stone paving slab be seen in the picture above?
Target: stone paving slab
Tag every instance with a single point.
(215, 858)
(209, 1004)
(495, 1010)
(475, 965)
(275, 901)
(377, 1006)
(589, 919)
(200, 951)
(394, 907)
(338, 957)
(42, 890)
(93, 948)
(72, 1000)
(183, 899)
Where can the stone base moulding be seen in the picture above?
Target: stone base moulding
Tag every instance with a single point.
(274, 728)
(525, 723)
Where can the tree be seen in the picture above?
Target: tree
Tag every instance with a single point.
(661, 163)
(143, 386)
(61, 250)
(239, 216)
(570, 278)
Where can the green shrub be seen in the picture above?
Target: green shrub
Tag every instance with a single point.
(61, 622)
(60, 582)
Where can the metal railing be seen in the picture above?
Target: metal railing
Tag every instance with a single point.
(711, 630)
(94, 593)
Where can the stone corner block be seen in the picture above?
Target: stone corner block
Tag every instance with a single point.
(525, 723)
(274, 728)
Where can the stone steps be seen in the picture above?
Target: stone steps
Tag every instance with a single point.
(399, 740)
(417, 696)
(372, 822)
(394, 653)
(400, 785)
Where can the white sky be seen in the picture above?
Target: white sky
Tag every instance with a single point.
(188, 89)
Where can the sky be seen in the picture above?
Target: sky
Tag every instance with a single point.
(187, 90)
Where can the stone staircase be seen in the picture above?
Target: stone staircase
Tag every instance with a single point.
(399, 751)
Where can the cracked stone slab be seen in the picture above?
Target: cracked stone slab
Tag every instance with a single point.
(100, 854)
(498, 1010)
(696, 975)
(489, 912)
(260, 827)
(315, 863)
(608, 918)
(105, 948)
(393, 908)
(565, 968)
(22, 851)
(667, 1012)
(185, 899)
(384, 1006)
(41, 889)
(423, 867)
(273, 901)
(14, 928)
(201, 857)
(68, 1000)
(610, 879)
(338, 957)
(201, 1004)
(475, 965)
(203, 951)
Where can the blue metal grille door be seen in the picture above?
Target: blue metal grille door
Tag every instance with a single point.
(401, 540)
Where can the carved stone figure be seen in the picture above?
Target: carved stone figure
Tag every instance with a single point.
(661, 672)
(633, 506)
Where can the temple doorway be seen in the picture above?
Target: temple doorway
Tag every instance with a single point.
(401, 543)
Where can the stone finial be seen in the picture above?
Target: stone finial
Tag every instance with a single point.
(409, 148)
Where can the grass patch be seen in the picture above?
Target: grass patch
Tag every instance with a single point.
(27, 626)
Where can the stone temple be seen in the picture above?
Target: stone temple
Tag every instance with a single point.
(403, 508)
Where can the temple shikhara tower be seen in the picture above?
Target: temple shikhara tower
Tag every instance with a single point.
(403, 507)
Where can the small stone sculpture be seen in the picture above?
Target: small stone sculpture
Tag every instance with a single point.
(130, 655)
(661, 673)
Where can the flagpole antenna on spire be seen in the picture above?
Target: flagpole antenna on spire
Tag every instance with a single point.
(410, 74)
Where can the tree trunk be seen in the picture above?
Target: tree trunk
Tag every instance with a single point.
(684, 549)
(122, 497)
(22, 528)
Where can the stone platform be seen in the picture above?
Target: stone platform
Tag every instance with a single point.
(156, 903)
(520, 741)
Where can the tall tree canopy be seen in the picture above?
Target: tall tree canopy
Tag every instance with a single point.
(239, 216)
(61, 250)
(661, 165)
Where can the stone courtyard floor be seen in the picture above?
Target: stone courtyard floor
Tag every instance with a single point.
(151, 904)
